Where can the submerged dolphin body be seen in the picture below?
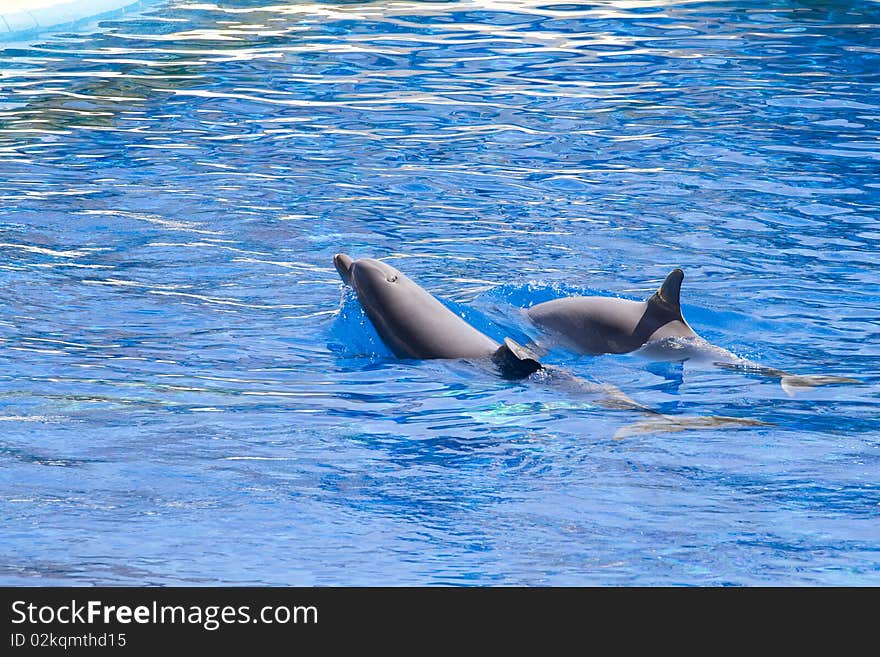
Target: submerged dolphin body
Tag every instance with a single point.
(655, 328)
(414, 324)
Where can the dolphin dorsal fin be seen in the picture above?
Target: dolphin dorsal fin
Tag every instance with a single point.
(516, 361)
(669, 294)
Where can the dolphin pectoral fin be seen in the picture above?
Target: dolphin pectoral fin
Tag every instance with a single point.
(522, 353)
(515, 361)
(672, 424)
(536, 350)
(343, 264)
(792, 383)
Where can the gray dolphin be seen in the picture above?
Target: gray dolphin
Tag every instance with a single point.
(655, 327)
(607, 325)
(414, 324)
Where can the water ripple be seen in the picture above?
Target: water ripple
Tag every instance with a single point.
(177, 346)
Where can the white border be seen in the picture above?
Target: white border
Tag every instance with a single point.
(19, 23)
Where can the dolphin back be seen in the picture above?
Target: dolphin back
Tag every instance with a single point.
(609, 325)
(418, 325)
(594, 325)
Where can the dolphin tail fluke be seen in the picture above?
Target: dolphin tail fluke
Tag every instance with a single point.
(673, 424)
(793, 384)
(343, 266)
(515, 361)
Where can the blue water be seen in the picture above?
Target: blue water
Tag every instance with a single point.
(189, 396)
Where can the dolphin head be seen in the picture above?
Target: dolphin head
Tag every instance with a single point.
(366, 274)
(378, 285)
(389, 299)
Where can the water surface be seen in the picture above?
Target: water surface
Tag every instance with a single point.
(188, 396)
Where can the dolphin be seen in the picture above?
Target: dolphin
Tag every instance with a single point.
(414, 324)
(654, 328)
(608, 325)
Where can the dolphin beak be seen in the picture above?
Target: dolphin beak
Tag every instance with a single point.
(343, 266)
